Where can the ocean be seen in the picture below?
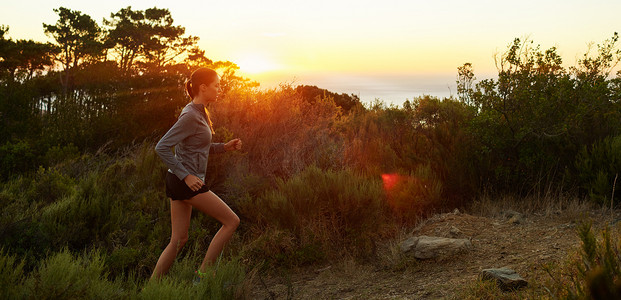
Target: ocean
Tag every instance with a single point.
(392, 89)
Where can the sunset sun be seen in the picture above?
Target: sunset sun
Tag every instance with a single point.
(255, 63)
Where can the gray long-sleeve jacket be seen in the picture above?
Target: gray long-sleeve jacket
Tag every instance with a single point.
(191, 137)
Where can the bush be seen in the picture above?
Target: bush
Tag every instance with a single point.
(414, 195)
(282, 132)
(65, 276)
(11, 276)
(426, 134)
(58, 154)
(316, 214)
(534, 118)
(227, 282)
(597, 168)
(83, 218)
(165, 289)
(48, 185)
(23, 199)
(595, 273)
(16, 158)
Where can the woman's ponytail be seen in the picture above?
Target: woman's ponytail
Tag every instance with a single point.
(188, 89)
(209, 121)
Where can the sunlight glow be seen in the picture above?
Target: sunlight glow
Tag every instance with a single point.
(334, 44)
(254, 63)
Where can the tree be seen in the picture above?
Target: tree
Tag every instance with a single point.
(166, 42)
(147, 37)
(127, 34)
(19, 60)
(465, 83)
(535, 117)
(344, 101)
(79, 39)
(196, 58)
(600, 66)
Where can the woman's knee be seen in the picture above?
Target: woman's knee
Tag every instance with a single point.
(178, 241)
(233, 222)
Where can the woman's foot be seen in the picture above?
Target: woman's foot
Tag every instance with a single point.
(199, 276)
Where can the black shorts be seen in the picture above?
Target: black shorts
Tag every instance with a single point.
(177, 189)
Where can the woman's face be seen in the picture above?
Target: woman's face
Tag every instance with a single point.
(211, 91)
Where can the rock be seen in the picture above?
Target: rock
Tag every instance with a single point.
(424, 247)
(455, 232)
(506, 278)
(513, 216)
(517, 219)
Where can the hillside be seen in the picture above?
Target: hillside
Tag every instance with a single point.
(525, 244)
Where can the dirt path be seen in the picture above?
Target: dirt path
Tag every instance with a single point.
(497, 242)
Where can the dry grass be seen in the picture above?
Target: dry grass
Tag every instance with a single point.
(390, 257)
(495, 206)
(547, 237)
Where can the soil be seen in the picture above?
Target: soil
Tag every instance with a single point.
(524, 244)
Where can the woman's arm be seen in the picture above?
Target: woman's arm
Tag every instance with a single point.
(234, 144)
(183, 128)
(217, 148)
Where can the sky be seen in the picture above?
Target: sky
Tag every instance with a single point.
(392, 50)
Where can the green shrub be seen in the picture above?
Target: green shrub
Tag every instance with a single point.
(414, 195)
(226, 280)
(11, 276)
(165, 289)
(58, 154)
(122, 260)
(22, 200)
(114, 204)
(85, 217)
(48, 185)
(428, 133)
(66, 276)
(597, 167)
(316, 214)
(242, 185)
(227, 283)
(16, 158)
(85, 164)
(533, 119)
(595, 273)
(26, 238)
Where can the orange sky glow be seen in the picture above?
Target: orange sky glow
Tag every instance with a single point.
(390, 49)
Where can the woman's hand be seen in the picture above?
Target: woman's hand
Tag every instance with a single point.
(193, 182)
(234, 144)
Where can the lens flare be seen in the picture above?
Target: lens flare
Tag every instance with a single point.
(390, 180)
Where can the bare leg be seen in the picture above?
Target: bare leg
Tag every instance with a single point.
(210, 204)
(180, 213)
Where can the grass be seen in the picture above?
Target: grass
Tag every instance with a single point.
(315, 215)
(71, 231)
(494, 205)
(64, 275)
